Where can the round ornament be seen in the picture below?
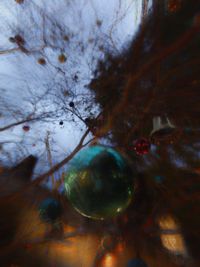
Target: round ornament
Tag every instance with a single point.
(62, 58)
(99, 182)
(26, 128)
(174, 5)
(50, 210)
(142, 146)
(66, 38)
(41, 61)
(71, 104)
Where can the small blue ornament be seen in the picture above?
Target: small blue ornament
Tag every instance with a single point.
(50, 210)
(136, 263)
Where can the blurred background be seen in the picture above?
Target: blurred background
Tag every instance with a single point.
(99, 133)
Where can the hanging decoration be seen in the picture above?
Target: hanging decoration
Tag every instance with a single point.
(71, 104)
(50, 210)
(173, 5)
(26, 128)
(163, 130)
(66, 38)
(142, 146)
(75, 77)
(41, 61)
(62, 58)
(19, 1)
(99, 182)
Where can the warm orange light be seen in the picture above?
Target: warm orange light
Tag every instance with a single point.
(109, 260)
(173, 243)
(120, 247)
(167, 223)
(171, 237)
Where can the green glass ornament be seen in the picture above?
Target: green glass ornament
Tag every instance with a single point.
(99, 182)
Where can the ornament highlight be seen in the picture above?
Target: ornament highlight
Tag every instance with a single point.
(99, 182)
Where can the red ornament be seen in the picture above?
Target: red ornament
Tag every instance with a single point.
(142, 146)
(26, 128)
(174, 5)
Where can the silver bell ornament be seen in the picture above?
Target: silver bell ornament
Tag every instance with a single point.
(163, 129)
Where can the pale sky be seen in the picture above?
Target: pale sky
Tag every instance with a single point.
(23, 80)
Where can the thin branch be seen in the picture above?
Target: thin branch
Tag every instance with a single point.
(9, 51)
(18, 123)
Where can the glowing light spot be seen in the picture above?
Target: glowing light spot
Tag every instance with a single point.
(119, 209)
(120, 247)
(167, 222)
(109, 260)
(174, 243)
(171, 237)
